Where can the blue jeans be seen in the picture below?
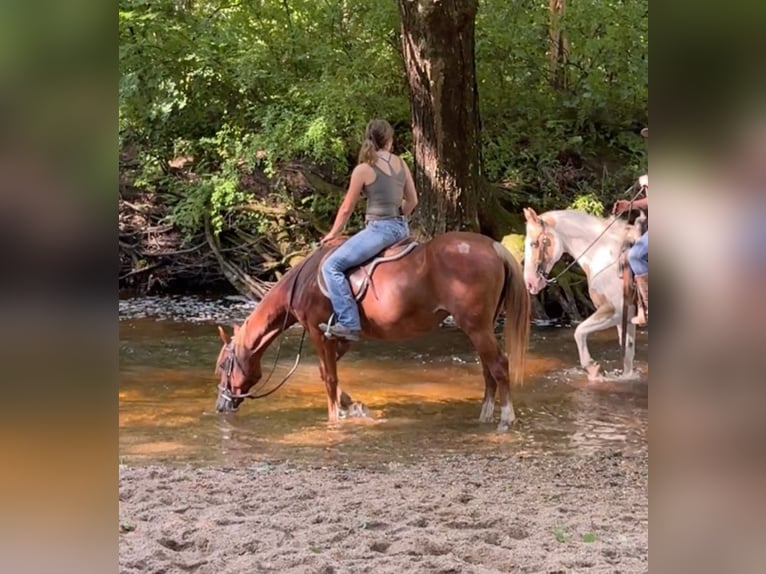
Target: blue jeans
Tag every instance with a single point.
(370, 241)
(638, 256)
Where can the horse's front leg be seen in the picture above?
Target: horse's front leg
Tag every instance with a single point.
(328, 369)
(629, 344)
(341, 347)
(604, 317)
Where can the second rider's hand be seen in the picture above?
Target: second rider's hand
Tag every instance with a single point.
(620, 206)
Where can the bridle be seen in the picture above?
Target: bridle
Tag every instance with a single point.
(542, 244)
(227, 366)
(231, 361)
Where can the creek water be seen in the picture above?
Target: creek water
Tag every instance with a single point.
(424, 397)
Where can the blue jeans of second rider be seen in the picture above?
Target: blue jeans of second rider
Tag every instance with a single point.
(376, 236)
(638, 256)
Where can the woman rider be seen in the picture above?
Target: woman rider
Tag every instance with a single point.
(386, 182)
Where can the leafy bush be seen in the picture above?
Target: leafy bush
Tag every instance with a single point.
(588, 203)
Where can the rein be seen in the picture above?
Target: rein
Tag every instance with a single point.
(592, 243)
(273, 368)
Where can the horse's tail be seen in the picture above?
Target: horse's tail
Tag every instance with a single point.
(517, 315)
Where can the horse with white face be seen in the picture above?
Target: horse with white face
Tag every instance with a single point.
(596, 244)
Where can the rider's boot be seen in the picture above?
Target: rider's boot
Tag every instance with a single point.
(642, 285)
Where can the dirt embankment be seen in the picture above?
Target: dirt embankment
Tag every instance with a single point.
(446, 514)
(260, 239)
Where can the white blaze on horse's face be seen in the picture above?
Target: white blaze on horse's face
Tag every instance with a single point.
(541, 251)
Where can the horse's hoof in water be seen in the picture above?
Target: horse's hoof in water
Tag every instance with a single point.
(345, 400)
(503, 427)
(594, 372)
(358, 410)
(486, 417)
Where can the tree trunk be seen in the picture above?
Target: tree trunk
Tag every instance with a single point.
(559, 53)
(438, 49)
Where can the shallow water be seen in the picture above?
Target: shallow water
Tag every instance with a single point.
(424, 397)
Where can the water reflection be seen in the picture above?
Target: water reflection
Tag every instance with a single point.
(424, 397)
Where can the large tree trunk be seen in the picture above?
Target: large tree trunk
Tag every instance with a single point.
(438, 50)
(559, 45)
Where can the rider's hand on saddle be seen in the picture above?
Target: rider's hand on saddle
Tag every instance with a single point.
(327, 238)
(620, 206)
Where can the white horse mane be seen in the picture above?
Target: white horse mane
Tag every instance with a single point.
(573, 223)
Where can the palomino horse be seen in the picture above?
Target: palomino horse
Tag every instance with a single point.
(466, 275)
(596, 243)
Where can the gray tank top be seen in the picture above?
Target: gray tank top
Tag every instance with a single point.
(385, 194)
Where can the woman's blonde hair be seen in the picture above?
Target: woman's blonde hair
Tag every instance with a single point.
(377, 134)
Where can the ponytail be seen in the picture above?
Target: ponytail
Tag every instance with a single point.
(377, 134)
(367, 152)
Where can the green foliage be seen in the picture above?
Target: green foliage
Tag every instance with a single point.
(214, 195)
(240, 85)
(301, 77)
(557, 140)
(589, 203)
(514, 243)
(589, 537)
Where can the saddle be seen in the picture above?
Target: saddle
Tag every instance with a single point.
(360, 277)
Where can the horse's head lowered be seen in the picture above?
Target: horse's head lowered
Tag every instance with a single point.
(542, 249)
(238, 370)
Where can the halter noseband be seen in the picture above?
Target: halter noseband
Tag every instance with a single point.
(228, 368)
(543, 243)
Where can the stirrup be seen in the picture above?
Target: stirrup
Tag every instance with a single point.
(327, 332)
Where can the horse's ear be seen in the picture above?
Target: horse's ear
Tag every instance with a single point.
(236, 330)
(530, 215)
(224, 336)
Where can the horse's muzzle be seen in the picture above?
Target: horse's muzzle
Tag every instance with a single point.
(226, 404)
(535, 285)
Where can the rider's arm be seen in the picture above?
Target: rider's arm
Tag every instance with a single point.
(623, 205)
(349, 202)
(641, 203)
(410, 195)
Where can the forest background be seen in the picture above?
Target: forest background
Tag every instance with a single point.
(240, 122)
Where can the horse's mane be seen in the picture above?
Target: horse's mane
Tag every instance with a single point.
(572, 221)
(290, 286)
(297, 277)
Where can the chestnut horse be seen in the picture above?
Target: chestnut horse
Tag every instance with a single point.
(466, 275)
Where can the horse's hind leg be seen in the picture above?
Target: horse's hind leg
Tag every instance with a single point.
(494, 362)
(490, 386)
